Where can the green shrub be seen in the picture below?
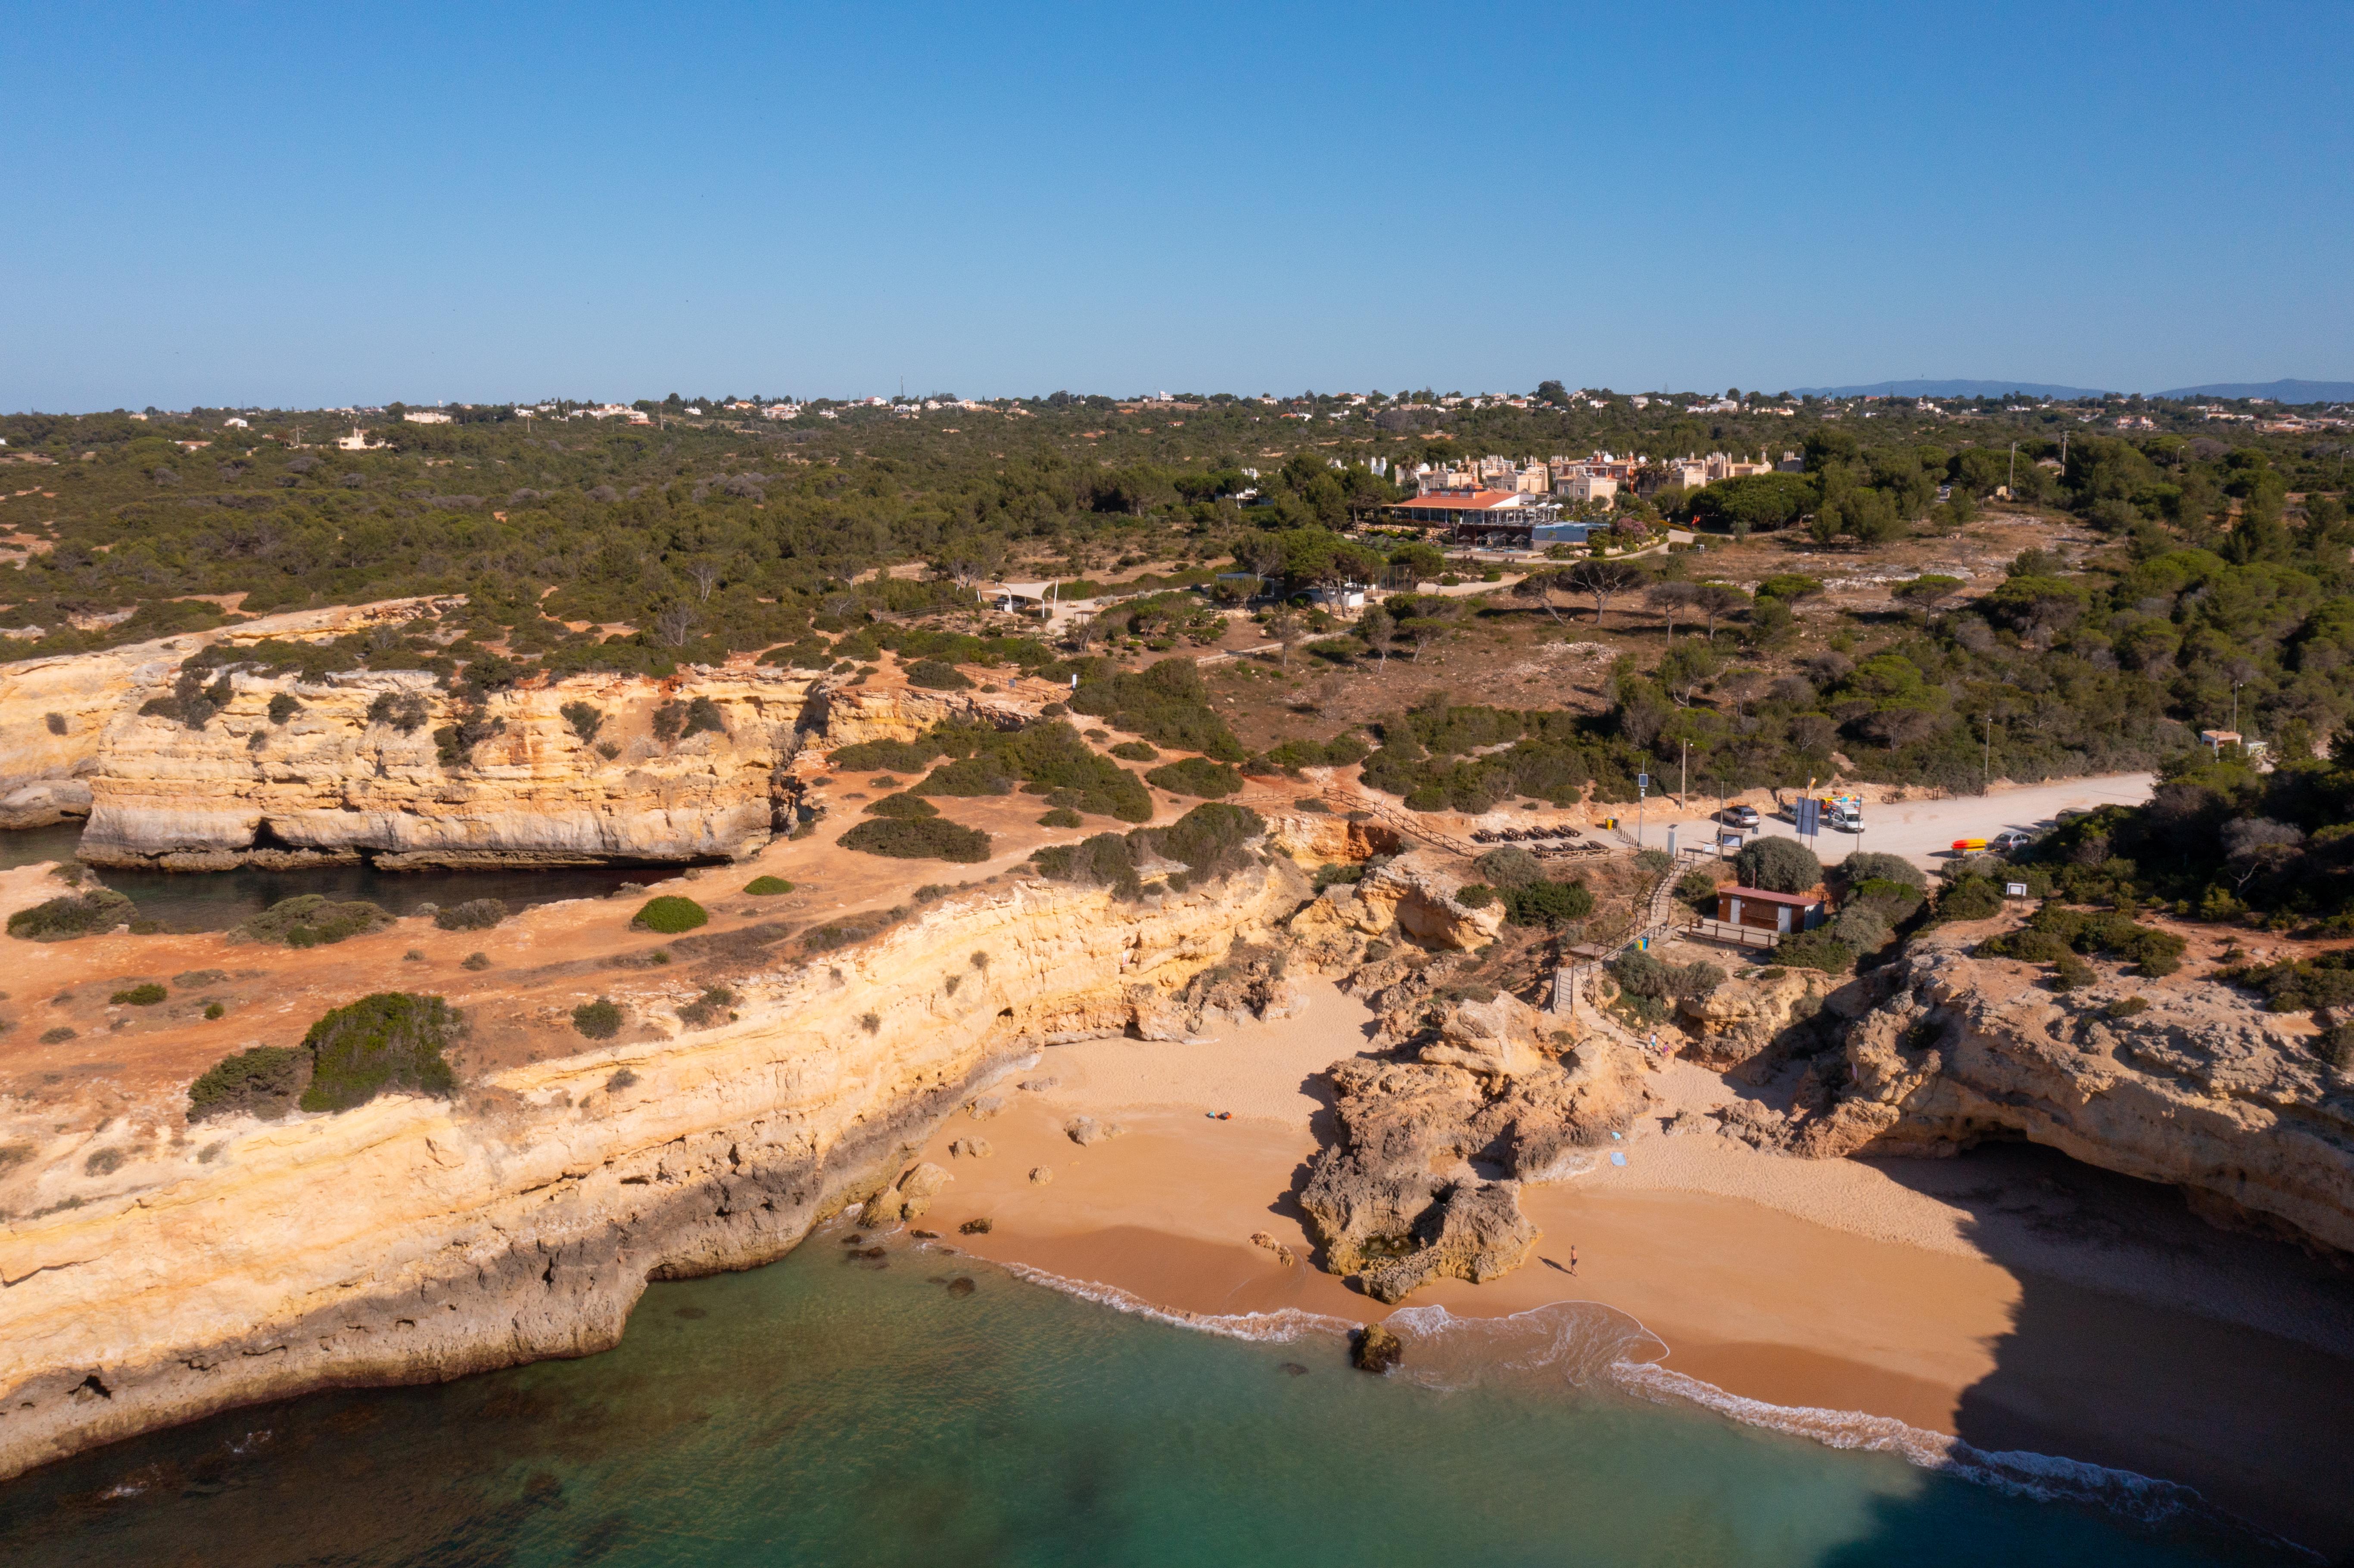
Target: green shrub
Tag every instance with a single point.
(703, 718)
(1639, 973)
(767, 886)
(1211, 840)
(1655, 861)
(2128, 1006)
(1544, 903)
(2054, 933)
(197, 980)
(1816, 950)
(404, 711)
(214, 1010)
(936, 839)
(58, 1035)
(884, 756)
(2071, 973)
(670, 915)
(475, 961)
(75, 914)
(1866, 866)
(1697, 887)
(1508, 866)
(1427, 797)
(474, 914)
(144, 995)
(2335, 1046)
(933, 674)
(264, 1081)
(1198, 777)
(1135, 751)
(284, 706)
(392, 1040)
(707, 1009)
(103, 1162)
(1061, 817)
(597, 1020)
(309, 920)
(1167, 703)
(584, 718)
(1778, 865)
(1475, 896)
(1970, 898)
(2300, 985)
(909, 806)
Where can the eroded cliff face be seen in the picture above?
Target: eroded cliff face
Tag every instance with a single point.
(2202, 1090)
(332, 782)
(413, 1240)
(54, 710)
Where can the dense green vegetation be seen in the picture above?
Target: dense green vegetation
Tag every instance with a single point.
(597, 1020)
(473, 915)
(1211, 840)
(767, 886)
(311, 920)
(669, 915)
(934, 838)
(390, 1041)
(1047, 758)
(264, 1081)
(74, 915)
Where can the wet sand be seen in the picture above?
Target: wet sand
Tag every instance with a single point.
(2009, 1299)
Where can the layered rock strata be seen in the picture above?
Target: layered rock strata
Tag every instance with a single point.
(2199, 1088)
(342, 777)
(413, 1240)
(57, 708)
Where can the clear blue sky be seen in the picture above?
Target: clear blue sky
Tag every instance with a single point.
(314, 204)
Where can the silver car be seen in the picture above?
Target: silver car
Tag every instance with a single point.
(1739, 816)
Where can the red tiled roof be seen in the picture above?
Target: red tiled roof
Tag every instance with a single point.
(1458, 500)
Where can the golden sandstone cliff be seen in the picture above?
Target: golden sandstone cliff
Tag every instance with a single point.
(344, 773)
(415, 1239)
(2201, 1089)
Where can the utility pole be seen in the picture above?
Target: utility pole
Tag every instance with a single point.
(1986, 779)
(1683, 776)
(2011, 482)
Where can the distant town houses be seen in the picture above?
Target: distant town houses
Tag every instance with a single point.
(425, 416)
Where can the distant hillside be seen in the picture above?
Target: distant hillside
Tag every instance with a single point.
(1957, 389)
(2278, 391)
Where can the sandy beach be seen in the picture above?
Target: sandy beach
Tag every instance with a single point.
(2009, 1298)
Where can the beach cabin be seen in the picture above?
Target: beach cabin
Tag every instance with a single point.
(1754, 917)
(1762, 910)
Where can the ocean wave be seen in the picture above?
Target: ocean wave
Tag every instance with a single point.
(1586, 1344)
(1279, 1327)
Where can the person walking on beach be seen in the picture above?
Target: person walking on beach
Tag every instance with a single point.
(1573, 1258)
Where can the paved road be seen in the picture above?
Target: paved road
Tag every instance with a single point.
(1923, 831)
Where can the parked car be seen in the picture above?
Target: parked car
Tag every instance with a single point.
(2011, 843)
(1740, 817)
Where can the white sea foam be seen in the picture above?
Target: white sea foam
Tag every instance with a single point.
(1280, 1327)
(1588, 1344)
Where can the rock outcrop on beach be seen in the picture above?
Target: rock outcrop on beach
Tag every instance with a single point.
(1743, 1020)
(1423, 1181)
(414, 1239)
(1412, 897)
(2199, 1088)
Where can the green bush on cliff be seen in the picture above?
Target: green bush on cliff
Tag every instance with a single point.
(474, 914)
(884, 756)
(2300, 985)
(670, 915)
(309, 920)
(1196, 776)
(767, 886)
(902, 805)
(263, 1081)
(143, 995)
(937, 675)
(933, 839)
(390, 1041)
(597, 1020)
(1544, 903)
(75, 914)
(1210, 840)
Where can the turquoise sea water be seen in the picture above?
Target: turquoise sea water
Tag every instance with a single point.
(830, 1410)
